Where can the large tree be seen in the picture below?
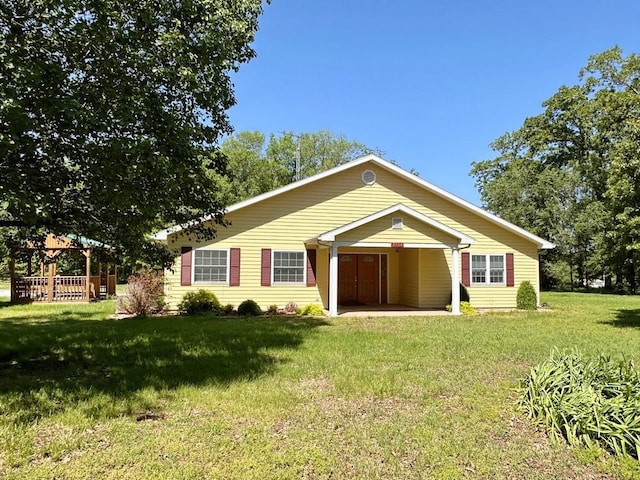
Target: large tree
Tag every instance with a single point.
(111, 110)
(571, 173)
(257, 165)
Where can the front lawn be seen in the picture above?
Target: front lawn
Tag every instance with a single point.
(84, 396)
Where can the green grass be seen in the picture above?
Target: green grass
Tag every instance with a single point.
(84, 396)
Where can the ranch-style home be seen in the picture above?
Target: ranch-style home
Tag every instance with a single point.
(365, 233)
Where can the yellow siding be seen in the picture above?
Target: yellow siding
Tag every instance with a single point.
(288, 220)
(413, 231)
(435, 275)
(409, 277)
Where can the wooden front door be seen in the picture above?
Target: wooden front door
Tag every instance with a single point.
(358, 279)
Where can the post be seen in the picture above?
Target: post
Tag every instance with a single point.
(12, 276)
(50, 283)
(455, 281)
(333, 281)
(87, 254)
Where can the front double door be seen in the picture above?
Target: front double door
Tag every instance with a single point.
(358, 279)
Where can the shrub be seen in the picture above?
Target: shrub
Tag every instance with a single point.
(526, 298)
(249, 308)
(312, 309)
(227, 309)
(586, 401)
(465, 309)
(144, 294)
(272, 310)
(291, 308)
(199, 302)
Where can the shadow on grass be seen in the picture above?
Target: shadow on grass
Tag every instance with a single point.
(51, 365)
(625, 318)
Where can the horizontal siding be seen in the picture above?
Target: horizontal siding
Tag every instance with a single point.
(413, 231)
(409, 291)
(435, 272)
(288, 220)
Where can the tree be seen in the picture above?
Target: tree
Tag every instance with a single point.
(570, 173)
(256, 166)
(110, 112)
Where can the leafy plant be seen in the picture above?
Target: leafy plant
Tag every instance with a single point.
(291, 308)
(227, 309)
(144, 294)
(249, 308)
(526, 297)
(272, 310)
(199, 302)
(465, 309)
(586, 401)
(312, 309)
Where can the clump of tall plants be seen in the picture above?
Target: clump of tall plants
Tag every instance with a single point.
(586, 401)
(144, 294)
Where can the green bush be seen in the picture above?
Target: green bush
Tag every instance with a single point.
(465, 309)
(586, 401)
(312, 309)
(272, 310)
(249, 308)
(526, 298)
(227, 309)
(199, 302)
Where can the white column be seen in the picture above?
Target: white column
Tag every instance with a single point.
(455, 281)
(333, 281)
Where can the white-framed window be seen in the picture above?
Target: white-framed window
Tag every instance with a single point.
(488, 269)
(210, 266)
(288, 267)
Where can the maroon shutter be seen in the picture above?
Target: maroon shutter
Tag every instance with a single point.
(265, 276)
(234, 267)
(510, 276)
(466, 271)
(185, 265)
(311, 268)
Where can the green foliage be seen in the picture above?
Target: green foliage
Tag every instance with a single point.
(586, 401)
(272, 310)
(200, 301)
(249, 308)
(144, 294)
(465, 308)
(312, 309)
(570, 174)
(526, 297)
(256, 165)
(112, 111)
(227, 309)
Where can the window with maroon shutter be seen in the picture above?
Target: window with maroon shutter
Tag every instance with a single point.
(466, 275)
(510, 274)
(265, 274)
(234, 267)
(488, 269)
(185, 265)
(311, 268)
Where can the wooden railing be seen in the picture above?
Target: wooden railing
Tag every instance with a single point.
(63, 289)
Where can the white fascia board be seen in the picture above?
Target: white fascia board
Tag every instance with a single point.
(541, 242)
(330, 236)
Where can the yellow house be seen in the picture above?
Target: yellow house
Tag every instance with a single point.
(364, 233)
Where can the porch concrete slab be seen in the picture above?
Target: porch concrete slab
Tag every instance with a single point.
(387, 311)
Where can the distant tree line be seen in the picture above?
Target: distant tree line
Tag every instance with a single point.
(572, 175)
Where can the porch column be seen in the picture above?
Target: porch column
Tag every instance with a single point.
(333, 281)
(455, 281)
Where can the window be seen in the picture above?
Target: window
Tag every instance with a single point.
(487, 269)
(211, 266)
(288, 267)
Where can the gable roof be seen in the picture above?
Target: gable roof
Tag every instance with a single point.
(540, 242)
(399, 207)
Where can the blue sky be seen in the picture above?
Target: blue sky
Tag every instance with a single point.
(428, 83)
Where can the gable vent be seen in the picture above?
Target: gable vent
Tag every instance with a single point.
(369, 177)
(396, 223)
